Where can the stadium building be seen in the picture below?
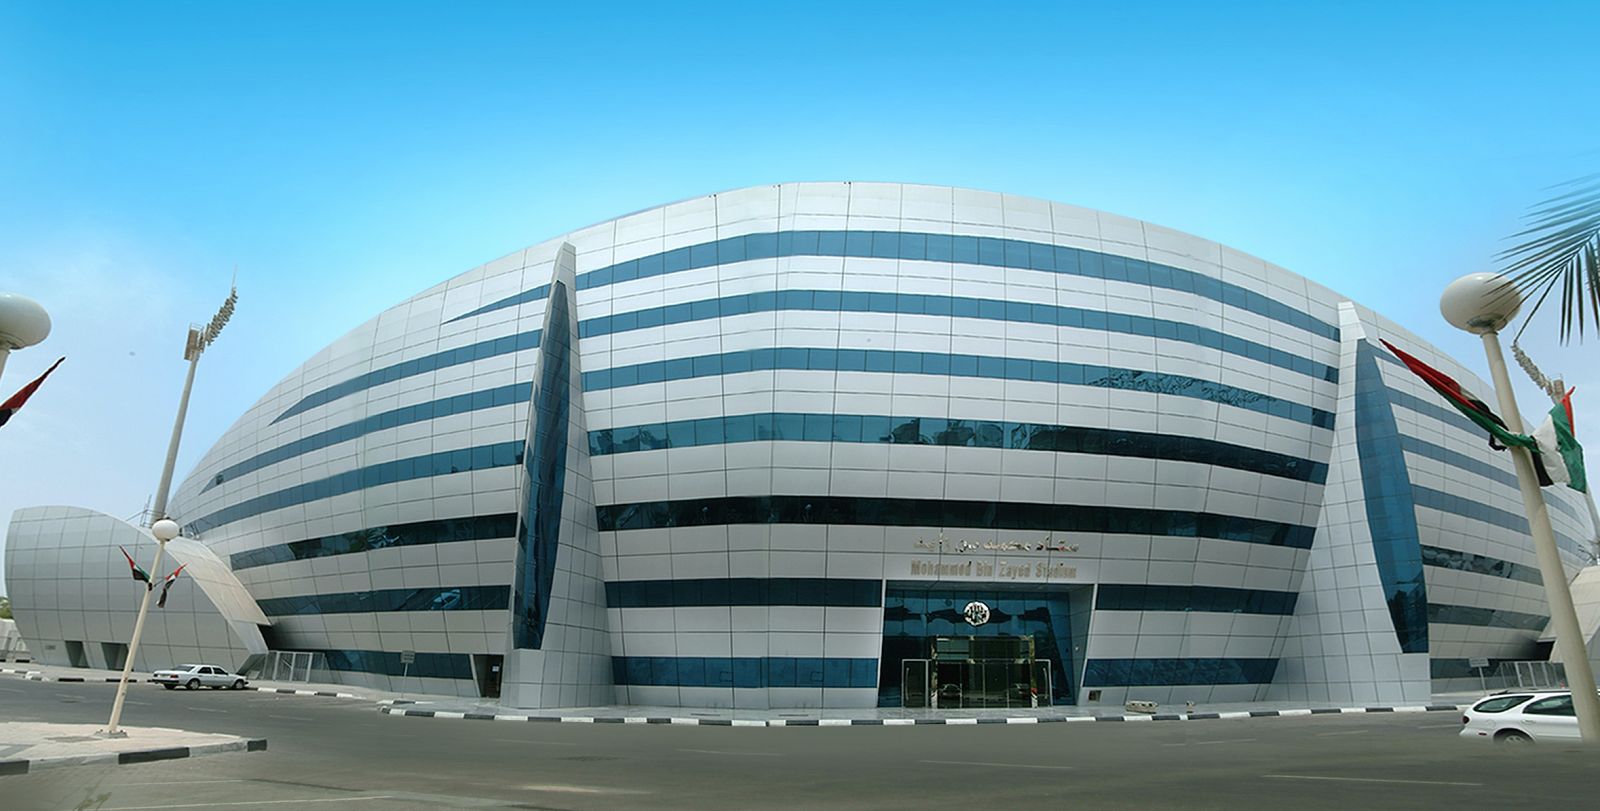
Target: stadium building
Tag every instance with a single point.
(840, 445)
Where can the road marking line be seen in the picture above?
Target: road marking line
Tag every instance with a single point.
(180, 782)
(248, 802)
(718, 752)
(572, 790)
(290, 717)
(205, 709)
(1439, 726)
(1355, 780)
(1233, 740)
(994, 765)
(1346, 732)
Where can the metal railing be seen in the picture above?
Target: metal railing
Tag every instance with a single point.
(288, 665)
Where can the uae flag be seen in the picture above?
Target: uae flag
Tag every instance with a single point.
(166, 585)
(1560, 457)
(14, 404)
(1467, 403)
(138, 573)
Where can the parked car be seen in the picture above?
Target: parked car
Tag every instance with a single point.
(194, 677)
(1522, 716)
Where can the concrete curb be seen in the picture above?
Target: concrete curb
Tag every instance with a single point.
(14, 767)
(889, 722)
(288, 692)
(37, 675)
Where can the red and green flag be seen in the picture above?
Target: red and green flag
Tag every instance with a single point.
(14, 403)
(138, 573)
(166, 585)
(1466, 402)
(1560, 457)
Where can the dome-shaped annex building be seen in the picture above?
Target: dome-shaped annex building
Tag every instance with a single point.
(852, 444)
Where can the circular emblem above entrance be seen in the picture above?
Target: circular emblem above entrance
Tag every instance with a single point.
(976, 613)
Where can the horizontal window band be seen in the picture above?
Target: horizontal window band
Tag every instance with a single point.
(984, 251)
(917, 246)
(433, 598)
(1479, 564)
(421, 533)
(481, 457)
(1212, 599)
(1461, 668)
(911, 512)
(1444, 614)
(428, 363)
(954, 307)
(953, 365)
(1462, 461)
(520, 392)
(745, 591)
(950, 433)
(1478, 511)
(387, 663)
(859, 593)
(1177, 671)
(393, 418)
(743, 671)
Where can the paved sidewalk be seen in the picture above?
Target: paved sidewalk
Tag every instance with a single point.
(892, 716)
(27, 747)
(56, 673)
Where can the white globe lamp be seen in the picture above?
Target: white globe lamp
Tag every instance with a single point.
(1480, 302)
(165, 530)
(23, 322)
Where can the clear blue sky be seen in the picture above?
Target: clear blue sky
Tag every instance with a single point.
(347, 155)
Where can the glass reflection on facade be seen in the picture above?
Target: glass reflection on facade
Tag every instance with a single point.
(1390, 511)
(539, 534)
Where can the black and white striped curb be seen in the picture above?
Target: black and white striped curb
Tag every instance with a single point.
(13, 767)
(891, 722)
(288, 692)
(38, 675)
(35, 675)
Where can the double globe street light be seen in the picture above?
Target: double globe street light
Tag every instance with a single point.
(164, 530)
(1482, 304)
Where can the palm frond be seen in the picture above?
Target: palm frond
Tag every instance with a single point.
(1560, 249)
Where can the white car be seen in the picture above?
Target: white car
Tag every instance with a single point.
(194, 677)
(1523, 716)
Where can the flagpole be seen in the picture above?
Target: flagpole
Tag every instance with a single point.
(163, 530)
(1482, 303)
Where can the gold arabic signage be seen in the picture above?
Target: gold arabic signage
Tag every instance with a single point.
(996, 569)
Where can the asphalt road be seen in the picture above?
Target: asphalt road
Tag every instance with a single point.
(332, 754)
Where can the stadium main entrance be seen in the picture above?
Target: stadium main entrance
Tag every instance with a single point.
(981, 647)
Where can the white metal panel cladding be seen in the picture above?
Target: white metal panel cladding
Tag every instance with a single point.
(816, 380)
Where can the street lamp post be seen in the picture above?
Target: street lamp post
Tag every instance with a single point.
(1483, 303)
(23, 323)
(163, 530)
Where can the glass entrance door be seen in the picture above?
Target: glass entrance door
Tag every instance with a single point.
(977, 672)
